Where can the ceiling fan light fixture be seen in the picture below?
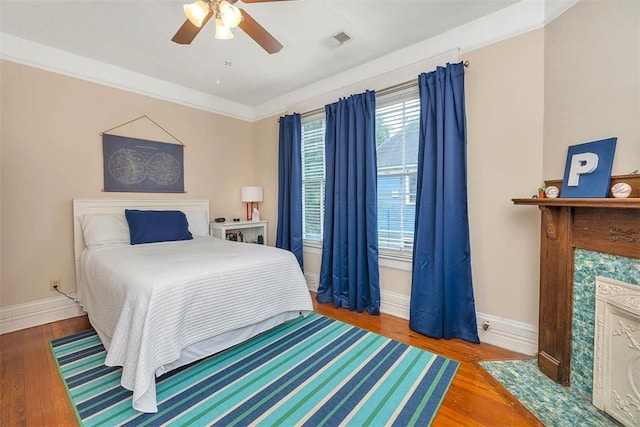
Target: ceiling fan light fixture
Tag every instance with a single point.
(196, 12)
(222, 31)
(230, 14)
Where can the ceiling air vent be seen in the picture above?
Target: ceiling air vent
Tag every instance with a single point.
(337, 40)
(342, 37)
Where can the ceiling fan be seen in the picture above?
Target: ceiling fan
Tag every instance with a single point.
(226, 16)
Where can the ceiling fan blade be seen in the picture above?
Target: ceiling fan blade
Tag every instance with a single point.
(259, 34)
(188, 31)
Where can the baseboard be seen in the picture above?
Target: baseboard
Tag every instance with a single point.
(395, 304)
(508, 334)
(34, 313)
(312, 281)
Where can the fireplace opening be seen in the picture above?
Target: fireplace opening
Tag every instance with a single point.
(616, 359)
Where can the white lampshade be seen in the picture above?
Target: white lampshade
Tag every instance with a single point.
(251, 194)
(222, 31)
(196, 12)
(230, 15)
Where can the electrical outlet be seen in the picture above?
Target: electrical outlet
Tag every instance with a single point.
(54, 283)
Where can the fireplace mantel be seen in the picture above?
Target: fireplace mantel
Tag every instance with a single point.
(633, 203)
(605, 225)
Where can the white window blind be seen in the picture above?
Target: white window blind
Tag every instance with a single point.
(397, 128)
(313, 178)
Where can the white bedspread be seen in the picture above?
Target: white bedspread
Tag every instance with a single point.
(154, 300)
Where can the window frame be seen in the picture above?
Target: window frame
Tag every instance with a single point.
(389, 258)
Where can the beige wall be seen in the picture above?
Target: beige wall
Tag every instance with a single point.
(592, 82)
(51, 153)
(504, 99)
(265, 138)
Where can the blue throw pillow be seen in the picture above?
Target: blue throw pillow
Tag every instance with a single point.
(157, 226)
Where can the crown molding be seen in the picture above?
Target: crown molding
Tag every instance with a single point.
(44, 57)
(519, 18)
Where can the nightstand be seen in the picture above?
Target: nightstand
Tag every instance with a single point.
(245, 231)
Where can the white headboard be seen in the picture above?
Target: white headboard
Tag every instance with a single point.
(111, 206)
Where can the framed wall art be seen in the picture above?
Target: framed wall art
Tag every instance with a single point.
(142, 166)
(587, 172)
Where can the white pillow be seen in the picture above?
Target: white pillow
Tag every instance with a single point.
(198, 223)
(103, 229)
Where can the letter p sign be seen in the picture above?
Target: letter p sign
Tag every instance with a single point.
(581, 164)
(587, 171)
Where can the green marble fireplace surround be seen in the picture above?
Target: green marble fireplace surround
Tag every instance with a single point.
(587, 266)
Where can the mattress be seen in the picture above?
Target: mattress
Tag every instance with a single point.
(151, 302)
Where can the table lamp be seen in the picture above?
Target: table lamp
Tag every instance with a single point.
(251, 195)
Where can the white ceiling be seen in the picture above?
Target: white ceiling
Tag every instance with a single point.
(136, 35)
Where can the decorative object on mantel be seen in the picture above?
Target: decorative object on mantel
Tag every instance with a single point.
(552, 192)
(588, 169)
(621, 190)
(541, 192)
(140, 165)
(633, 179)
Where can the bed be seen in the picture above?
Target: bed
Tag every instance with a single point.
(158, 306)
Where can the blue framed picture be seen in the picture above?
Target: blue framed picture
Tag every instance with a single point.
(587, 172)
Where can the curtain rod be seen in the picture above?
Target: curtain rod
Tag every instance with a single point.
(385, 91)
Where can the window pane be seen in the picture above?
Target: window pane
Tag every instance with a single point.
(313, 179)
(397, 149)
(313, 210)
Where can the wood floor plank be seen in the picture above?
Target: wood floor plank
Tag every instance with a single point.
(36, 400)
(28, 372)
(60, 400)
(12, 379)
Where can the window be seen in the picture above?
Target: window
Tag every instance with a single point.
(397, 124)
(313, 171)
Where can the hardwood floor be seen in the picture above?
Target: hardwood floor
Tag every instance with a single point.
(32, 393)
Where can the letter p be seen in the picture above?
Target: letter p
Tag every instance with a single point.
(582, 163)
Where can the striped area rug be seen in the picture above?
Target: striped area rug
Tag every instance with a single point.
(311, 371)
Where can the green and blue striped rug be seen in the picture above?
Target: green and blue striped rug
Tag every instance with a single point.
(311, 371)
